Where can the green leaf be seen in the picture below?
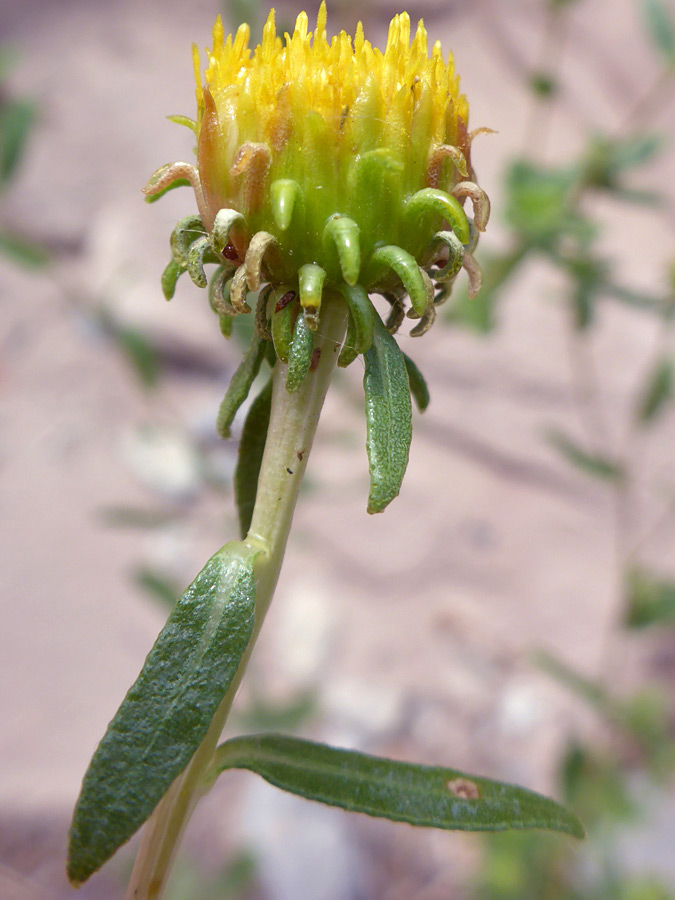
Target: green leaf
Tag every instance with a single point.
(589, 691)
(541, 205)
(251, 449)
(16, 121)
(22, 251)
(140, 353)
(544, 84)
(595, 785)
(591, 463)
(660, 26)
(388, 417)
(430, 796)
(418, 385)
(167, 712)
(300, 354)
(134, 344)
(240, 384)
(608, 159)
(121, 516)
(642, 720)
(650, 599)
(657, 393)
(157, 585)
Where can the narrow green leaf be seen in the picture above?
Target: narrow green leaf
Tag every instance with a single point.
(590, 463)
(281, 326)
(650, 599)
(661, 28)
(251, 449)
(388, 417)
(658, 391)
(22, 251)
(300, 354)
(155, 583)
(240, 384)
(16, 121)
(140, 353)
(589, 691)
(430, 796)
(418, 385)
(167, 712)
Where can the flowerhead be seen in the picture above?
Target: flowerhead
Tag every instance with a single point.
(328, 166)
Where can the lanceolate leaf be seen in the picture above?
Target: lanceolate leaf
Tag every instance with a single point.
(661, 27)
(388, 417)
(167, 712)
(404, 792)
(592, 463)
(650, 599)
(251, 448)
(418, 384)
(240, 384)
(657, 392)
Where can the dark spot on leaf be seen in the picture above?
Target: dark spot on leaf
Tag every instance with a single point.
(300, 454)
(316, 356)
(290, 471)
(230, 252)
(462, 787)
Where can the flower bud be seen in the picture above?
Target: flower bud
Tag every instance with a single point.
(324, 166)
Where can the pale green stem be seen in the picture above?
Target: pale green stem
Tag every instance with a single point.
(293, 421)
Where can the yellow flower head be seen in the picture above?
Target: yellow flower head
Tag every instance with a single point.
(305, 108)
(328, 167)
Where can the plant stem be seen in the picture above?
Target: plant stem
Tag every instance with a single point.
(293, 421)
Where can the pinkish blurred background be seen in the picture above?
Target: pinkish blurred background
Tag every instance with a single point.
(411, 633)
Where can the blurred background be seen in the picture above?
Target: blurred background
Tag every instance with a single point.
(512, 614)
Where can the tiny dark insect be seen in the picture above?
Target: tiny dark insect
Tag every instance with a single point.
(290, 471)
(230, 252)
(316, 356)
(284, 301)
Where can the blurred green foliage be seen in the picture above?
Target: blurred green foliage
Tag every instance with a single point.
(17, 119)
(613, 782)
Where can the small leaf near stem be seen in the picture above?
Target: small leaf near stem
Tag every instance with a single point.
(388, 417)
(240, 385)
(418, 384)
(249, 458)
